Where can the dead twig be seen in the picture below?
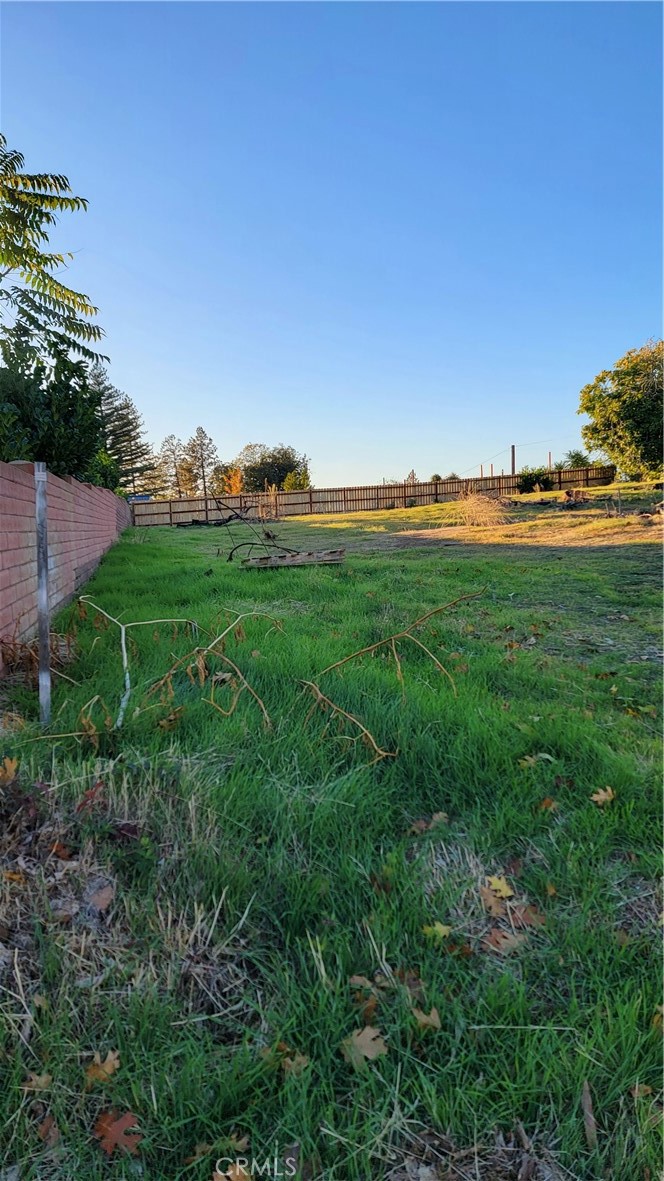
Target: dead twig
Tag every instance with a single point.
(405, 634)
(589, 1123)
(366, 735)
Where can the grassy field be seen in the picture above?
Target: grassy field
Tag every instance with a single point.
(196, 890)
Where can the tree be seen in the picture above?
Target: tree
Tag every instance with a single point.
(411, 478)
(532, 479)
(51, 412)
(452, 476)
(625, 406)
(576, 459)
(103, 471)
(57, 318)
(297, 481)
(169, 466)
(263, 465)
(435, 478)
(200, 457)
(122, 434)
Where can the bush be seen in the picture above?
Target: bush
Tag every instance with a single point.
(472, 508)
(530, 476)
(411, 502)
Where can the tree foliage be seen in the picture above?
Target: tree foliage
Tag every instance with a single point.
(200, 458)
(122, 436)
(262, 465)
(625, 407)
(169, 467)
(49, 413)
(533, 478)
(32, 296)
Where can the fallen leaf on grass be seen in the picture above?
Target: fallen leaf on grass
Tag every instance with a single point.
(114, 1131)
(589, 1125)
(604, 795)
(527, 915)
(61, 851)
(500, 887)
(424, 825)
(37, 1082)
(658, 1017)
(101, 899)
(90, 797)
(533, 760)
(548, 804)
(294, 1063)
(364, 1044)
(640, 1090)
(49, 1132)
(200, 1150)
(436, 932)
(503, 942)
(551, 889)
(235, 1172)
(12, 875)
(100, 1072)
(8, 771)
(412, 982)
(492, 904)
(427, 1020)
(171, 720)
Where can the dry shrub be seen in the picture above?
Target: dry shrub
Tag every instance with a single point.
(475, 508)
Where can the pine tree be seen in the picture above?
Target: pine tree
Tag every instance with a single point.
(122, 434)
(200, 457)
(169, 466)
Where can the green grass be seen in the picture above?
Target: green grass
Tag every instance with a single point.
(308, 849)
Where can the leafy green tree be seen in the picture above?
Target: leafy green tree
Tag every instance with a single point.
(263, 465)
(32, 296)
(51, 411)
(298, 480)
(435, 478)
(200, 458)
(576, 459)
(625, 407)
(452, 476)
(122, 435)
(103, 471)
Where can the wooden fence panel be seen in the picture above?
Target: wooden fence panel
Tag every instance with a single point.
(361, 499)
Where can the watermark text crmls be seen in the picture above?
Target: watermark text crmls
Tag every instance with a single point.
(237, 1168)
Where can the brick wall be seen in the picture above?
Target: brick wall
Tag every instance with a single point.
(83, 522)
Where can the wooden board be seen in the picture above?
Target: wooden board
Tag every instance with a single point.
(313, 558)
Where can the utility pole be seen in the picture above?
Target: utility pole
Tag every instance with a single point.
(550, 464)
(513, 459)
(481, 471)
(492, 470)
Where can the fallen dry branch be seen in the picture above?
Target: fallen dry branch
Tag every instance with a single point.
(366, 735)
(406, 634)
(197, 656)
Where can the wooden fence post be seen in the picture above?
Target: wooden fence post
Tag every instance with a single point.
(43, 616)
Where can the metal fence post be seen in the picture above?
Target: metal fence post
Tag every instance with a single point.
(43, 620)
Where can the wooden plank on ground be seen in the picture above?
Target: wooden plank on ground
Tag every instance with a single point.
(313, 558)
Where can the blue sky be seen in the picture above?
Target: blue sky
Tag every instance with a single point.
(394, 235)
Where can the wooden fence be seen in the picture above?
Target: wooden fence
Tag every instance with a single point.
(347, 500)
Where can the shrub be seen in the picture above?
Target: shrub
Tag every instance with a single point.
(473, 508)
(530, 476)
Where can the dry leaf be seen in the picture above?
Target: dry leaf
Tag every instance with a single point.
(102, 898)
(235, 1172)
(658, 1017)
(294, 1064)
(500, 887)
(12, 875)
(527, 915)
(171, 720)
(503, 942)
(548, 804)
(8, 771)
(640, 1090)
(37, 1082)
(437, 932)
(363, 1044)
(90, 797)
(114, 1131)
(411, 980)
(424, 825)
(551, 889)
(492, 904)
(49, 1132)
(200, 1150)
(427, 1020)
(589, 1125)
(100, 1072)
(604, 795)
